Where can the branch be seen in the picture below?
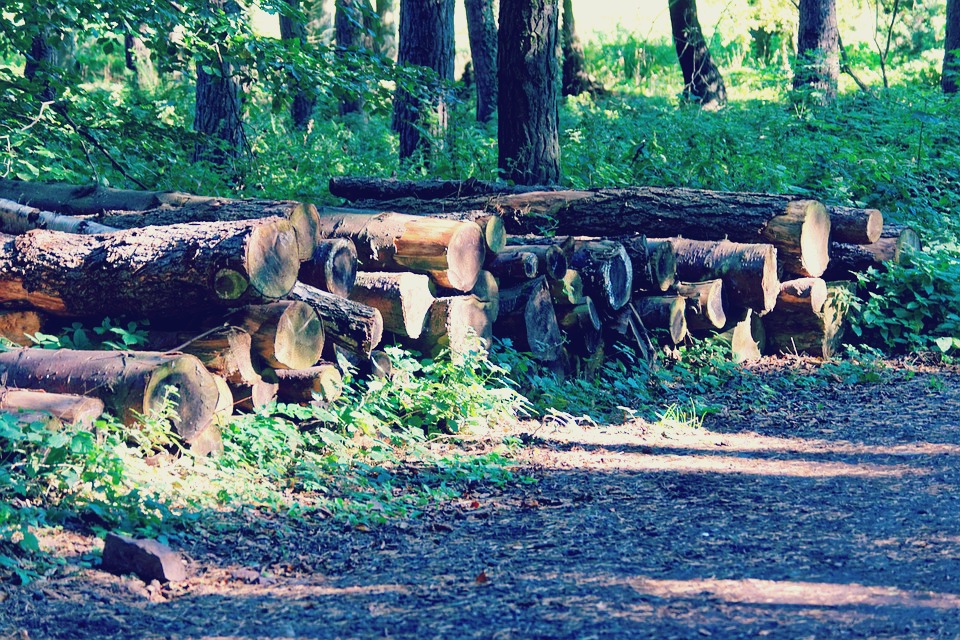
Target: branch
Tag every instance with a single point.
(847, 69)
(62, 110)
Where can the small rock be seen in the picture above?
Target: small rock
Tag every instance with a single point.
(147, 559)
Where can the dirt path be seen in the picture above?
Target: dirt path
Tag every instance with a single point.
(834, 513)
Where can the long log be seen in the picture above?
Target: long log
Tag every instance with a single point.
(459, 324)
(368, 188)
(351, 325)
(606, 271)
(287, 334)
(704, 309)
(748, 271)
(800, 229)
(654, 264)
(527, 316)
(847, 259)
(449, 251)
(18, 326)
(130, 384)
(80, 200)
(664, 312)
(17, 218)
(172, 270)
(511, 268)
(322, 382)
(31, 405)
(332, 267)
(855, 226)
(403, 299)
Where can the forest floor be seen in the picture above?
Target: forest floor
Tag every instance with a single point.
(832, 510)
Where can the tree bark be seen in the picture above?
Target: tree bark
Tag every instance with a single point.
(16, 218)
(426, 40)
(225, 351)
(951, 49)
(174, 270)
(606, 271)
(322, 383)
(855, 226)
(482, 30)
(702, 81)
(654, 265)
(527, 316)
(332, 267)
(367, 188)
(664, 312)
(42, 64)
(451, 252)
(818, 49)
(351, 325)
(85, 200)
(574, 77)
(514, 267)
(17, 326)
(287, 334)
(460, 324)
(304, 98)
(848, 259)
(130, 384)
(528, 100)
(32, 406)
(403, 299)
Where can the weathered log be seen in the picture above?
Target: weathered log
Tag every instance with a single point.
(807, 320)
(606, 271)
(568, 290)
(738, 338)
(551, 261)
(511, 268)
(486, 290)
(322, 382)
(855, 226)
(332, 267)
(130, 384)
(17, 218)
(79, 200)
(803, 295)
(654, 264)
(287, 334)
(664, 312)
(704, 310)
(40, 406)
(18, 326)
(748, 271)
(377, 365)
(449, 251)
(257, 394)
(224, 350)
(354, 326)
(403, 299)
(527, 316)
(367, 188)
(847, 259)
(172, 270)
(582, 326)
(800, 229)
(459, 324)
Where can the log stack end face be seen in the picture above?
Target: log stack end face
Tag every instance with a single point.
(195, 396)
(273, 259)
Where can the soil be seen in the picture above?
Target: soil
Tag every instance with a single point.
(827, 512)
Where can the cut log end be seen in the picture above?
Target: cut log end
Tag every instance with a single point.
(332, 267)
(230, 284)
(802, 237)
(273, 259)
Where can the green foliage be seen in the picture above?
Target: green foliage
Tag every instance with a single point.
(106, 336)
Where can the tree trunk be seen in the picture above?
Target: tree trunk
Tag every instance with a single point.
(351, 325)
(513, 267)
(800, 229)
(33, 406)
(848, 259)
(527, 316)
(332, 267)
(322, 382)
(173, 270)
(403, 299)
(304, 98)
(451, 252)
(140, 63)
(606, 271)
(349, 24)
(287, 334)
(574, 77)
(482, 29)
(460, 324)
(702, 81)
(951, 49)
(85, 200)
(367, 188)
(704, 310)
(664, 312)
(818, 50)
(384, 29)
(426, 40)
(132, 385)
(748, 271)
(855, 226)
(218, 117)
(528, 101)
(16, 218)
(42, 64)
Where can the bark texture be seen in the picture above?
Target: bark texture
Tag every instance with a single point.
(848, 259)
(85, 200)
(349, 26)
(855, 226)
(322, 383)
(667, 313)
(702, 81)
(951, 49)
(304, 98)
(818, 49)
(482, 30)
(403, 299)
(574, 77)
(350, 325)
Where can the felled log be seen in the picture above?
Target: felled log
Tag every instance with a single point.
(459, 324)
(377, 365)
(664, 312)
(224, 350)
(80, 200)
(39, 406)
(17, 218)
(606, 271)
(855, 226)
(256, 394)
(486, 290)
(797, 325)
(511, 268)
(527, 317)
(368, 188)
(654, 264)
(800, 229)
(582, 326)
(332, 267)
(748, 271)
(491, 226)
(18, 326)
(322, 382)
(130, 384)
(568, 290)
(551, 261)
(172, 270)
(847, 259)
(704, 306)
(354, 326)
(287, 334)
(224, 411)
(737, 338)
(449, 251)
(403, 299)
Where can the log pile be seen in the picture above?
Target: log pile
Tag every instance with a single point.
(253, 301)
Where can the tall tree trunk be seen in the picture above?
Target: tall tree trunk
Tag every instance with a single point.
(702, 81)
(138, 60)
(426, 40)
(351, 23)
(42, 62)
(304, 100)
(818, 49)
(218, 118)
(576, 80)
(528, 70)
(482, 27)
(951, 57)
(384, 28)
